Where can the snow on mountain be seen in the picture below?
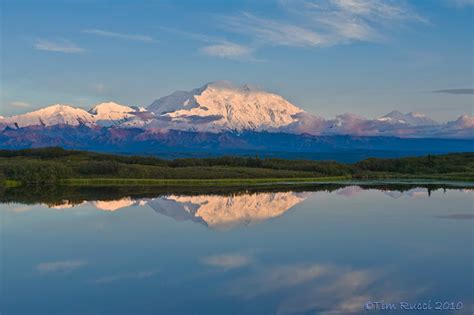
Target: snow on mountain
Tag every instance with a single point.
(463, 127)
(52, 115)
(114, 205)
(139, 119)
(397, 124)
(413, 119)
(462, 122)
(225, 212)
(111, 111)
(221, 106)
(348, 124)
(104, 114)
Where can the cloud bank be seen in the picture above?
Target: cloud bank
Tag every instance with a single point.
(227, 261)
(59, 266)
(227, 50)
(62, 46)
(324, 23)
(133, 37)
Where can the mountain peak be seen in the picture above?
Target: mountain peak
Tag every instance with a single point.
(228, 85)
(394, 113)
(223, 84)
(221, 105)
(464, 121)
(57, 114)
(110, 112)
(58, 107)
(412, 119)
(109, 106)
(223, 213)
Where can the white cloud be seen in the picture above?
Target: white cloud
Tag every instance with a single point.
(227, 261)
(277, 278)
(364, 20)
(272, 31)
(380, 8)
(20, 104)
(194, 36)
(218, 47)
(134, 37)
(309, 23)
(59, 266)
(62, 45)
(227, 50)
(321, 288)
(124, 276)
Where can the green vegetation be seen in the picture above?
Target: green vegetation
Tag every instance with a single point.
(71, 167)
(57, 194)
(193, 182)
(12, 183)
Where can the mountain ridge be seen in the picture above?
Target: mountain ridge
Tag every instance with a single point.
(176, 143)
(222, 107)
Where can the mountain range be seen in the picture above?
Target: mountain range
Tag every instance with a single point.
(221, 116)
(228, 211)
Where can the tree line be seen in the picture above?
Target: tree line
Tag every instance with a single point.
(47, 165)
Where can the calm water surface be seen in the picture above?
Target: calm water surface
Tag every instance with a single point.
(288, 252)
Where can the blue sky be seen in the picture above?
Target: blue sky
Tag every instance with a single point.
(327, 56)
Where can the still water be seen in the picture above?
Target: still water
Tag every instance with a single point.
(315, 251)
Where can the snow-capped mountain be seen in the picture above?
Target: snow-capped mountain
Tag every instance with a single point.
(113, 114)
(225, 212)
(49, 116)
(393, 124)
(111, 111)
(104, 114)
(463, 127)
(463, 122)
(412, 119)
(222, 106)
(214, 211)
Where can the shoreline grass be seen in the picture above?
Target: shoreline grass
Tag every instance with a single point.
(194, 182)
(97, 182)
(464, 177)
(130, 182)
(11, 183)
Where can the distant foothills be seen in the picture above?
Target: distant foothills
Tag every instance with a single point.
(221, 118)
(73, 167)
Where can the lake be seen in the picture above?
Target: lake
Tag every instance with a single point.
(327, 249)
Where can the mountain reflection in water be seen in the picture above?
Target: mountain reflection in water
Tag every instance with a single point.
(317, 249)
(226, 211)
